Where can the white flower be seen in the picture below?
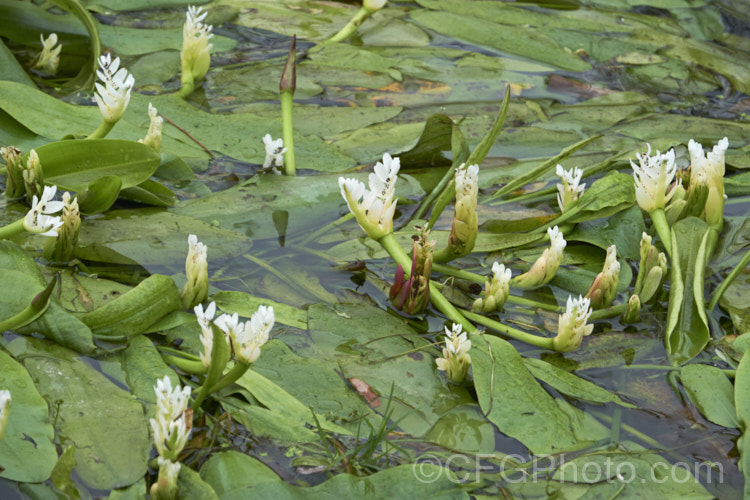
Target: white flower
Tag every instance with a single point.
(652, 179)
(171, 427)
(373, 5)
(572, 325)
(38, 219)
(207, 334)
(456, 359)
(501, 277)
(4, 409)
(114, 95)
(570, 189)
(49, 57)
(708, 170)
(374, 209)
(274, 152)
(195, 56)
(153, 136)
(248, 338)
(168, 470)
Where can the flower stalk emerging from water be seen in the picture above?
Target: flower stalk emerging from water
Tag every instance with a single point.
(14, 185)
(171, 428)
(33, 176)
(413, 295)
(465, 223)
(456, 359)
(287, 86)
(368, 7)
(195, 57)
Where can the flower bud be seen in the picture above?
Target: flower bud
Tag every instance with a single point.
(153, 136)
(604, 288)
(456, 359)
(14, 185)
(546, 266)
(33, 176)
(633, 312)
(496, 290)
(195, 290)
(651, 271)
(61, 249)
(195, 56)
(572, 325)
(374, 5)
(676, 208)
(49, 58)
(465, 224)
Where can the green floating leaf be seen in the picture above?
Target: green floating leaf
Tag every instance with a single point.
(517, 404)
(143, 366)
(72, 165)
(100, 194)
(734, 301)
(618, 230)
(570, 384)
(606, 196)
(27, 452)
(190, 486)
(86, 407)
(230, 470)
(61, 473)
(464, 429)
(136, 310)
(150, 192)
(712, 392)
(687, 326)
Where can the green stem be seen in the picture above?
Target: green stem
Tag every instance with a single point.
(728, 280)
(608, 312)
(535, 340)
(187, 365)
(350, 27)
(102, 130)
(665, 368)
(659, 220)
(389, 243)
(187, 86)
(521, 301)
(12, 229)
(287, 133)
(230, 378)
(427, 201)
(3, 170)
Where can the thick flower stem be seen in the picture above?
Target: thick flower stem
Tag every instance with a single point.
(11, 229)
(350, 27)
(186, 365)
(231, 377)
(608, 312)
(728, 281)
(187, 86)
(389, 243)
(542, 342)
(102, 130)
(659, 220)
(287, 133)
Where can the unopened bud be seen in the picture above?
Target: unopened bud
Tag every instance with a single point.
(14, 185)
(33, 177)
(633, 313)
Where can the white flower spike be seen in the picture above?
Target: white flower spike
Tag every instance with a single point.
(709, 169)
(172, 425)
(207, 334)
(374, 209)
(249, 337)
(195, 55)
(456, 359)
(570, 189)
(572, 325)
(546, 266)
(195, 290)
(38, 219)
(653, 178)
(274, 153)
(153, 136)
(113, 94)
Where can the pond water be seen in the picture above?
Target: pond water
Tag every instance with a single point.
(347, 386)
